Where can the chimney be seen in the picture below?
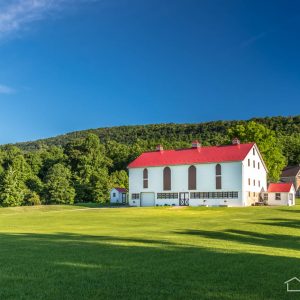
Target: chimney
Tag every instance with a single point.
(196, 144)
(236, 141)
(159, 148)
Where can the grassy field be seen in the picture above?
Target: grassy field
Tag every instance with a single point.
(69, 252)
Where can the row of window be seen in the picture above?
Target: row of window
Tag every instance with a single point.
(192, 178)
(254, 164)
(254, 182)
(167, 195)
(195, 195)
(214, 195)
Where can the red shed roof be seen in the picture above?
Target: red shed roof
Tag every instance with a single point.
(280, 187)
(200, 155)
(121, 190)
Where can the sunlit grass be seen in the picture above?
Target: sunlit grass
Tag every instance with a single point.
(78, 252)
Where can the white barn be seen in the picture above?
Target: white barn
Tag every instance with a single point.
(231, 175)
(118, 195)
(280, 194)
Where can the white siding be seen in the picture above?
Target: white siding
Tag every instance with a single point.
(286, 198)
(117, 198)
(206, 182)
(254, 174)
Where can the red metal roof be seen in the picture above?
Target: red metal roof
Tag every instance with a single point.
(211, 154)
(280, 187)
(121, 190)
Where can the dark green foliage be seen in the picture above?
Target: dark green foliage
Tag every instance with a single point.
(12, 188)
(209, 133)
(83, 166)
(267, 143)
(58, 187)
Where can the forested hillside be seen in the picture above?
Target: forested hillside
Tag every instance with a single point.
(83, 166)
(209, 133)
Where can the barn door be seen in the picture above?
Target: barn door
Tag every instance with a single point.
(183, 199)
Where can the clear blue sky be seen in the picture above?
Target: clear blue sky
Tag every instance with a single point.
(68, 65)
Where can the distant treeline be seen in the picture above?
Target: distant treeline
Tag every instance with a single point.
(83, 166)
(287, 130)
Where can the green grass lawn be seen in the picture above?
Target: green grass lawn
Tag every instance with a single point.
(77, 252)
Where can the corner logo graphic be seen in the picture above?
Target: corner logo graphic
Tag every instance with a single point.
(293, 285)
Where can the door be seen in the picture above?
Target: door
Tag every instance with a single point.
(147, 199)
(124, 198)
(183, 199)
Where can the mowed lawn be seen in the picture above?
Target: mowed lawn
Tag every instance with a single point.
(69, 252)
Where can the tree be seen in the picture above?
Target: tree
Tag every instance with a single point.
(119, 179)
(267, 142)
(12, 188)
(90, 169)
(58, 188)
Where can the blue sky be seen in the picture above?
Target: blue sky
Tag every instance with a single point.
(68, 65)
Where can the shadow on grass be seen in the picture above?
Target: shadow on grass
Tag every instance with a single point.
(99, 205)
(249, 237)
(70, 266)
(291, 223)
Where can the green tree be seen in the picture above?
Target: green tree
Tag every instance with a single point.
(12, 188)
(119, 179)
(267, 142)
(90, 169)
(58, 188)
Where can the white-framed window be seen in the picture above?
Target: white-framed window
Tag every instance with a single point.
(266, 196)
(254, 164)
(114, 194)
(248, 162)
(277, 196)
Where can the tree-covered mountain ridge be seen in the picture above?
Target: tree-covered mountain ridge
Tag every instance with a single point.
(209, 133)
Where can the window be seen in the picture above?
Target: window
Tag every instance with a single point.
(254, 164)
(145, 178)
(249, 162)
(135, 196)
(266, 196)
(195, 195)
(167, 195)
(277, 196)
(258, 165)
(114, 194)
(192, 178)
(259, 183)
(291, 197)
(167, 179)
(249, 181)
(218, 177)
(253, 151)
(213, 195)
(249, 194)
(254, 182)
